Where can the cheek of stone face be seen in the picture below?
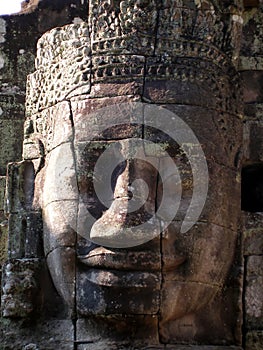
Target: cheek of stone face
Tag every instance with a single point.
(60, 198)
(59, 213)
(196, 264)
(204, 256)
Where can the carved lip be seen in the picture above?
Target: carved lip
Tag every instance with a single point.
(171, 263)
(127, 279)
(122, 260)
(103, 258)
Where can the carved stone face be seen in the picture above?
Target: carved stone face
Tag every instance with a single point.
(100, 266)
(176, 283)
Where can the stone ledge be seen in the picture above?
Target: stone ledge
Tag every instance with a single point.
(112, 346)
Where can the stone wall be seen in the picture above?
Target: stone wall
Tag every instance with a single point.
(251, 68)
(18, 37)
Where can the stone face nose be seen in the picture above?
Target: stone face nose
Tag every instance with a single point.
(129, 221)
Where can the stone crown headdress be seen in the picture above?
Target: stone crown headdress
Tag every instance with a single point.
(123, 40)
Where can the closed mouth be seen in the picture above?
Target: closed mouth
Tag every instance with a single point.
(102, 258)
(106, 259)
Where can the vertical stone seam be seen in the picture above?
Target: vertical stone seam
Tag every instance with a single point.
(74, 318)
(158, 9)
(244, 328)
(240, 247)
(161, 254)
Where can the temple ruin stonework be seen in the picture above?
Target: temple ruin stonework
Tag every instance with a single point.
(131, 175)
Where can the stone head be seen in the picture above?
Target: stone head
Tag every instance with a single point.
(135, 134)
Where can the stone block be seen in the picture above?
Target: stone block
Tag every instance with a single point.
(107, 119)
(254, 340)
(110, 281)
(20, 187)
(60, 175)
(178, 126)
(202, 347)
(32, 149)
(177, 181)
(59, 224)
(119, 88)
(16, 236)
(44, 335)
(253, 111)
(62, 71)
(205, 263)
(25, 235)
(176, 91)
(177, 81)
(132, 33)
(46, 130)
(3, 239)
(2, 30)
(254, 293)
(195, 272)
(117, 331)
(253, 242)
(253, 144)
(2, 191)
(250, 63)
(20, 287)
(10, 142)
(117, 346)
(61, 265)
(121, 346)
(104, 291)
(140, 260)
(253, 81)
(12, 101)
(253, 233)
(252, 220)
(118, 69)
(252, 31)
(215, 323)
